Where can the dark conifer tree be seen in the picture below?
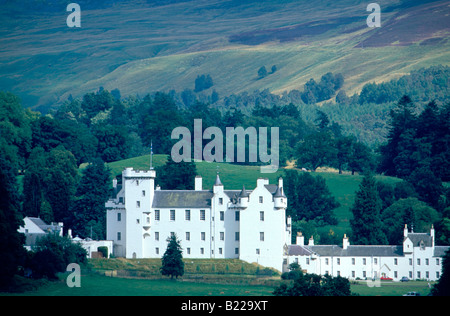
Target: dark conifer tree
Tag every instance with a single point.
(11, 241)
(366, 223)
(89, 213)
(172, 260)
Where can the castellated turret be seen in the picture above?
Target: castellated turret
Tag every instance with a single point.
(279, 198)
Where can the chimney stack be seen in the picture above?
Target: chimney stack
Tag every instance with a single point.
(300, 239)
(198, 183)
(345, 242)
(311, 241)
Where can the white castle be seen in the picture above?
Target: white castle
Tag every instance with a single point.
(214, 223)
(251, 226)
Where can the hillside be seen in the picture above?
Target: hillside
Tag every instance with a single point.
(145, 46)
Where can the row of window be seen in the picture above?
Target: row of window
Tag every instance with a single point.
(202, 236)
(396, 275)
(261, 200)
(187, 215)
(375, 261)
(202, 251)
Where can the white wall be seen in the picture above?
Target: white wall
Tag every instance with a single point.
(374, 266)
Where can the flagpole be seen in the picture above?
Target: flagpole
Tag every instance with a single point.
(151, 155)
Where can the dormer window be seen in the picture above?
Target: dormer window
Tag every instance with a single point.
(422, 245)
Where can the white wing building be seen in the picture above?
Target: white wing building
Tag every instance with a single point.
(211, 223)
(417, 258)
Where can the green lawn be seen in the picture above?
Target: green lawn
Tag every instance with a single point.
(97, 285)
(392, 288)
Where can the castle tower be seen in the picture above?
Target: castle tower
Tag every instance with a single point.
(139, 188)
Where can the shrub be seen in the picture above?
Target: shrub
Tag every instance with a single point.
(103, 250)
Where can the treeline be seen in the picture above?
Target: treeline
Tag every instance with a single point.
(421, 85)
(418, 151)
(49, 149)
(363, 115)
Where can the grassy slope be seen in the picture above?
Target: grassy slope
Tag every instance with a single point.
(233, 177)
(141, 49)
(97, 285)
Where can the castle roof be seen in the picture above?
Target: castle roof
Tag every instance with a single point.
(182, 199)
(244, 193)
(279, 192)
(218, 182)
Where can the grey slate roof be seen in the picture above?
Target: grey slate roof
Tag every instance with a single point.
(244, 193)
(44, 226)
(439, 251)
(296, 250)
(416, 238)
(271, 188)
(279, 192)
(39, 222)
(351, 251)
(182, 199)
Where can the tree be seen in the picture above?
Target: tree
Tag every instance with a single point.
(15, 130)
(324, 90)
(172, 260)
(361, 159)
(427, 185)
(309, 198)
(322, 121)
(344, 150)
(177, 176)
(46, 212)
(262, 72)
(11, 241)
(159, 118)
(441, 145)
(53, 253)
(366, 224)
(60, 182)
(402, 119)
(113, 142)
(93, 103)
(408, 211)
(315, 285)
(203, 82)
(342, 97)
(316, 150)
(88, 210)
(442, 288)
